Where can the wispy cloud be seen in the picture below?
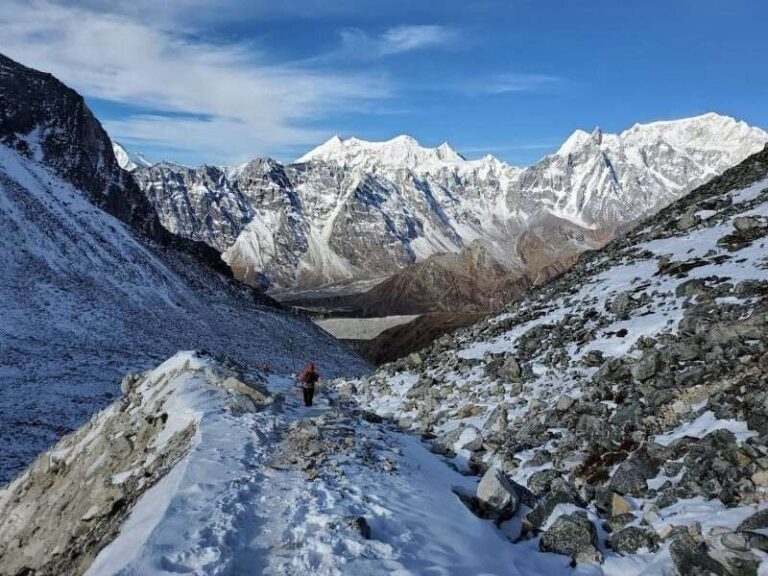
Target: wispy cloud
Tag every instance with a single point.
(396, 40)
(224, 99)
(510, 82)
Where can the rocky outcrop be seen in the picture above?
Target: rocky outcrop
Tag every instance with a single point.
(47, 121)
(74, 499)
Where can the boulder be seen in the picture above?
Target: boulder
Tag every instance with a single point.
(620, 505)
(758, 521)
(575, 536)
(647, 366)
(691, 558)
(565, 403)
(541, 482)
(360, 525)
(498, 495)
(633, 539)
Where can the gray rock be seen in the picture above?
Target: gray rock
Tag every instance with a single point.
(633, 539)
(541, 482)
(360, 525)
(565, 403)
(758, 521)
(575, 536)
(498, 495)
(747, 223)
(647, 366)
(691, 558)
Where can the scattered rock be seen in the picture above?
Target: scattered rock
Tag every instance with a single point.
(620, 505)
(564, 403)
(633, 539)
(691, 558)
(498, 495)
(360, 525)
(575, 536)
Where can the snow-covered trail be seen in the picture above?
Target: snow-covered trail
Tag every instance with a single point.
(244, 502)
(418, 525)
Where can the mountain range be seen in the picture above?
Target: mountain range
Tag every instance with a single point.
(353, 210)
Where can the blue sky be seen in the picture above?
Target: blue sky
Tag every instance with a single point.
(198, 81)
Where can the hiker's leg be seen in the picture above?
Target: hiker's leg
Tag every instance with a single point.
(307, 397)
(311, 395)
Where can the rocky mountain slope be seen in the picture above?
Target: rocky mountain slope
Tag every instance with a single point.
(613, 422)
(352, 209)
(94, 287)
(617, 416)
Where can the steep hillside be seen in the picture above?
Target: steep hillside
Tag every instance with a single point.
(613, 422)
(617, 415)
(85, 298)
(353, 210)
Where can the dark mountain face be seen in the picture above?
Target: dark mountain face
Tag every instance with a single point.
(44, 119)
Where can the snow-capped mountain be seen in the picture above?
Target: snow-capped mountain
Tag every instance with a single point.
(351, 209)
(129, 161)
(612, 422)
(92, 285)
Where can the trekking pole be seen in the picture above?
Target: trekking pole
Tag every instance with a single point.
(293, 356)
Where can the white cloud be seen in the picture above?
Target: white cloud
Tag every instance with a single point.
(225, 100)
(397, 40)
(506, 83)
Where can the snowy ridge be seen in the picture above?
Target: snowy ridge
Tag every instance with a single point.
(326, 218)
(127, 161)
(399, 152)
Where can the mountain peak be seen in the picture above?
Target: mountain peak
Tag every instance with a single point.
(129, 161)
(402, 151)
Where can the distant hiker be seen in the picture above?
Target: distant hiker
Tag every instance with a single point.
(308, 378)
(265, 368)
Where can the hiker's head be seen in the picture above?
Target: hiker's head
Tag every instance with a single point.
(311, 367)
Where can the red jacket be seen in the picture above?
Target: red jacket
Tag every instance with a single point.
(309, 376)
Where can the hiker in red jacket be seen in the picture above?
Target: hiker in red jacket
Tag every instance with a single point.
(308, 378)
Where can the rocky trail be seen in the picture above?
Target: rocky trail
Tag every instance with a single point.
(194, 471)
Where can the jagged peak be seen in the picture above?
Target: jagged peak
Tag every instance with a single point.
(129, 161)
(402, 151)
(574, 142)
